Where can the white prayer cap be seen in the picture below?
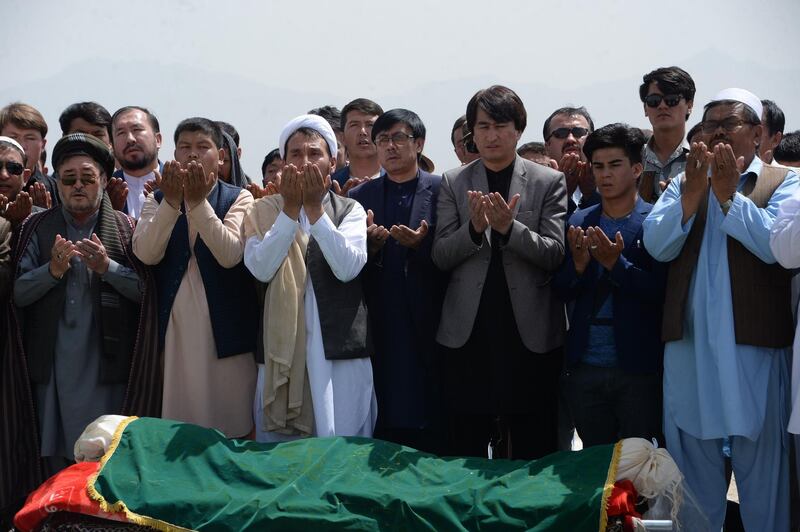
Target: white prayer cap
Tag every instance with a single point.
(741, 95)
(317, 123)
(13, 142)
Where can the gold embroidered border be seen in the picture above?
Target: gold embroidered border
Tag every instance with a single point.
(120, 506)
(611, 479)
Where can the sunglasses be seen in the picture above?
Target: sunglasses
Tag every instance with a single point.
(69, 181)
(12, 167)
(654, 100)
(563, 132)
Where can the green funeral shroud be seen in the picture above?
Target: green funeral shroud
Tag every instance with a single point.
(174, 476)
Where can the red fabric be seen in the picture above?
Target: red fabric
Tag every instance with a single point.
(64, 492)
(623, 500)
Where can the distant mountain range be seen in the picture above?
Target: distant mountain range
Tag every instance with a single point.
(259, 111)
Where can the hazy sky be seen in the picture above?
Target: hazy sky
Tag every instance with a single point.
(425, 56)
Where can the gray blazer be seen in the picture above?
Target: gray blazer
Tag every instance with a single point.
(531, 256)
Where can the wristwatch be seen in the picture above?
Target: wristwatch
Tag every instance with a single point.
(726, 205)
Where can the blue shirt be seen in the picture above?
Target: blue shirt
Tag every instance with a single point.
(714, 387)
(601, 351)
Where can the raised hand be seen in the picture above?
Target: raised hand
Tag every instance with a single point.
(16, 211)
(151, 186)
(477, 211)
(696, 179)
(604, 250)
(291, 188)
(117, 190)
(197, 184)
(93, 254)
(255, 190)
(726, 170)
(408, 237)
(40, 196)
(376, 234)
(697, 162)
(314, 188)
(351, 183)
(499, 213)
(579, 246)
(60, 254)
(171, 183)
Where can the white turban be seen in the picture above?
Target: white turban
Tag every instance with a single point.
(317, 123)
(743, 96)
(13, 142)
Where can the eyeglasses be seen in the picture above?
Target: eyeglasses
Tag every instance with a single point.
(12, 167)
(69, 181)
(730, 124)
(398, 139)
(654, 100)
(563, 132)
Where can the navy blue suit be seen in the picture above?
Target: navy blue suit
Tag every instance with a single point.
(404, 292)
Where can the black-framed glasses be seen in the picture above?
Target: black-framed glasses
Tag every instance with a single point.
(69, 181)
(398, 139)
(654, 100)
(13, 167)
(730, 124)
(563, 132)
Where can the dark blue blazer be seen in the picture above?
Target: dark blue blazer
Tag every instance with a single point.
(425, 283)
(637, 284)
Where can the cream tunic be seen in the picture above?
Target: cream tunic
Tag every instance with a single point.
(199, 387)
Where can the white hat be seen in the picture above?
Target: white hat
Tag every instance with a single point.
(13, 142)
(317, 123)
(741, 95)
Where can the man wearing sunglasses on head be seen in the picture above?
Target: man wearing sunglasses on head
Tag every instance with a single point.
(565, 131)
(668, 95)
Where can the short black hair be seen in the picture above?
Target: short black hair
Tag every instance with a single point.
(501, 104)
(459, 124)
(150, 116)
(749, 115)
(697, 128)
(532, 147)
(330, 113)
(368, 107)
(230, 130)
(308, 132)
(788, 151)
(630, 139)
(92, 112)
(669, 80)
(203, 125)
(271, 156)
(42, 157)
(388, 119)
(773, 117)
(568, 111)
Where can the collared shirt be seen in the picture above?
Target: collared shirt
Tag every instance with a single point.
(714, 387)
(73, 397)
(136, 195)
(674, 165)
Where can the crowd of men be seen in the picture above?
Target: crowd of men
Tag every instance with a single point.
(614, 281)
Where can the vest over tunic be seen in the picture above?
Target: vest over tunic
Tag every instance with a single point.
(230, 292)
(761, 292)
